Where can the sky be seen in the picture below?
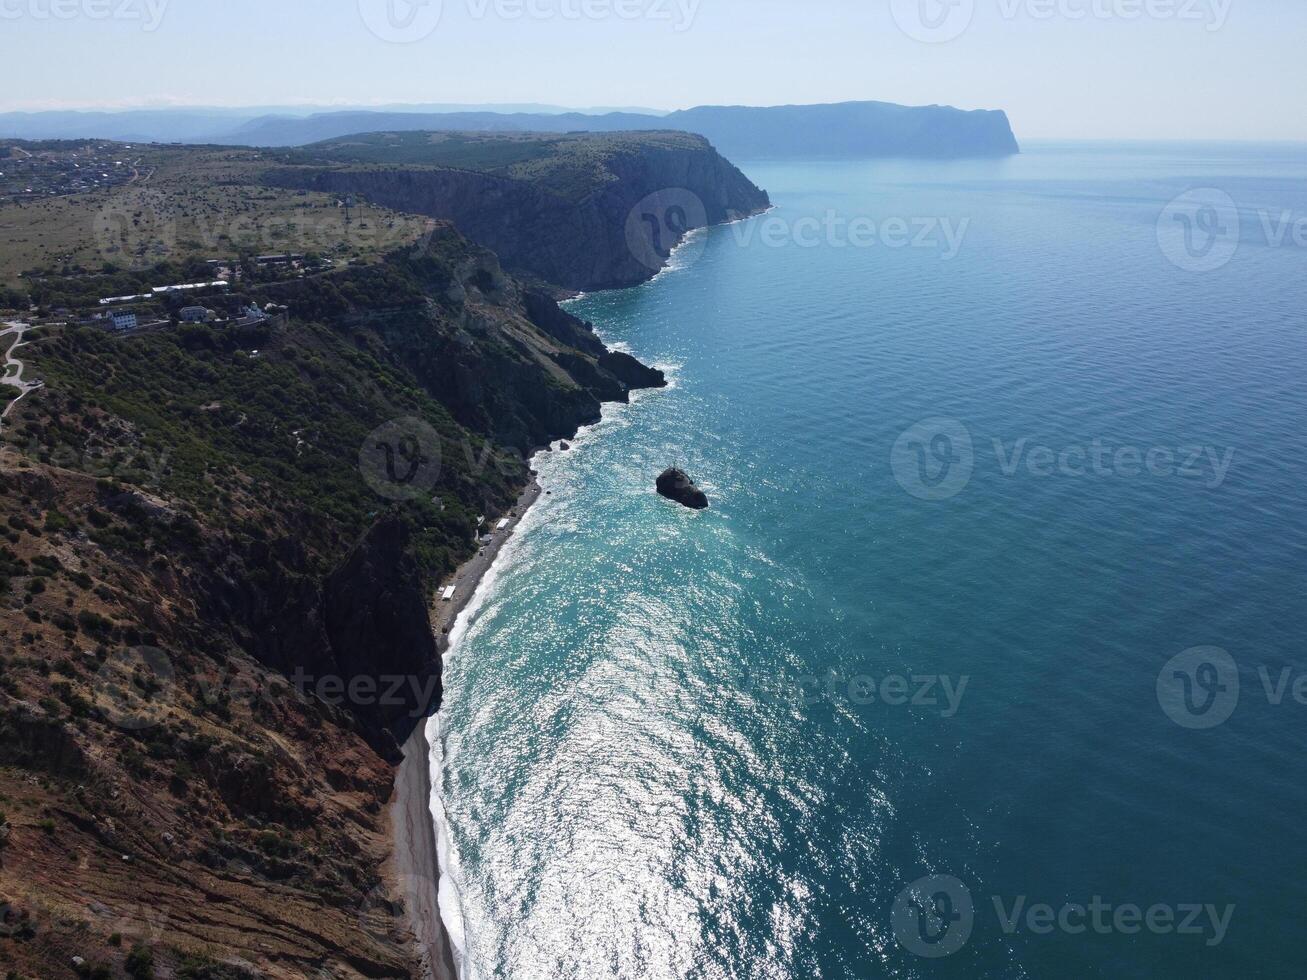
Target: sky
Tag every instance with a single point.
(1093, 69)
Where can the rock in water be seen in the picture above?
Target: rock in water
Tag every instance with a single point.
(675, 485)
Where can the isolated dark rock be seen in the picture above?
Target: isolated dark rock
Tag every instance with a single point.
(675, 485)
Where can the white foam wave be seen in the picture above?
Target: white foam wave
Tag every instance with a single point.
(551, 469)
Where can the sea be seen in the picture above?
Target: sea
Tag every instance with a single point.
(989, 659)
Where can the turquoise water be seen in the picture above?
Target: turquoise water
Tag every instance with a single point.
(647, 769)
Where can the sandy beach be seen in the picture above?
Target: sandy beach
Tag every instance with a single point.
(414, 865)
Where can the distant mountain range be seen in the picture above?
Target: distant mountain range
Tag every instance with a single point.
(839, 130)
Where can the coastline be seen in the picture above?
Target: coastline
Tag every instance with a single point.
(414, 867)
(415, 870)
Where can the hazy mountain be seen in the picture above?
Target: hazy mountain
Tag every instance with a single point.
(846, 129)
(214, 124)
(849, 129)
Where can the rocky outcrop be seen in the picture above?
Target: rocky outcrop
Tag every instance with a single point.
(850, 130)
(675, 485)
(505, 360)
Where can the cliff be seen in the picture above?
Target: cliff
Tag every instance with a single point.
(850, 130)
(581, 212)
(218, 552)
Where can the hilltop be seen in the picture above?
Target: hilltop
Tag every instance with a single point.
(554, 207)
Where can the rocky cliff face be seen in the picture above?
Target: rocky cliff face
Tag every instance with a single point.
(214, 627)
(615, 229)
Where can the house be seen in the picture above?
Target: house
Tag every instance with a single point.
(252, 316)
(195, 314)
(121, 320)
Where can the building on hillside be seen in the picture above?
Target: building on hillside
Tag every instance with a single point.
(253, 316)
(121, 320)
(186, 287)
(195, 314)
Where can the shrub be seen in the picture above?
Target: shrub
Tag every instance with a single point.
(140, 964)
(94, 623)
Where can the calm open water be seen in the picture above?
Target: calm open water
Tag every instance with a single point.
(674, 744)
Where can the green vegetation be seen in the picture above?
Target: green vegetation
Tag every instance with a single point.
(257, 430)
(471, 151)
(181, 205)
(572, 166)
(140, 963)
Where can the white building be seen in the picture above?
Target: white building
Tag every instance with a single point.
(123, 320)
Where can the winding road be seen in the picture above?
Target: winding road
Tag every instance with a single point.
(13, 377)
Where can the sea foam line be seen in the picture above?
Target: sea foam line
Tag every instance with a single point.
(449, 894)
